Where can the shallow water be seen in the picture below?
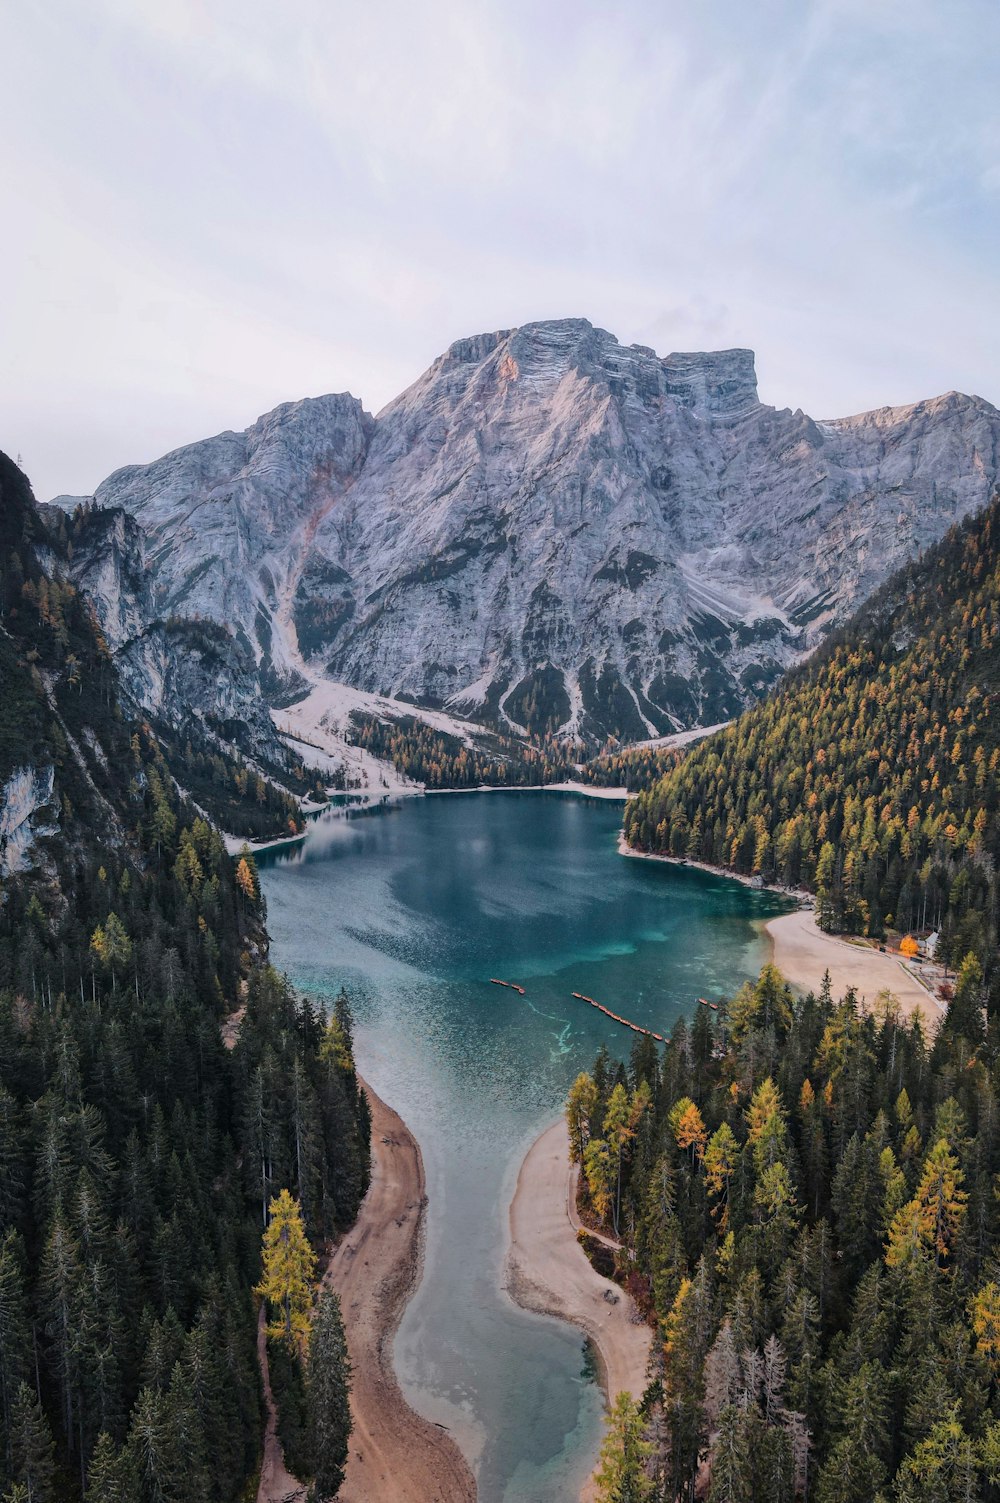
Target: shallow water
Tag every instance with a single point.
(413, 908)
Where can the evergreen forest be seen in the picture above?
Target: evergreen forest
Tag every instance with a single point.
(805, 1201)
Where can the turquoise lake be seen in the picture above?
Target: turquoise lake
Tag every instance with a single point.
(413, 908)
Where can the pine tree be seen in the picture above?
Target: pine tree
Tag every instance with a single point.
(15, 1338)
(618, 1131)
(289, 1266)
(32, 1448)
(111, 1475)
(599, 1168)
(329, 1392)
(621, 1474)
(581, 1107)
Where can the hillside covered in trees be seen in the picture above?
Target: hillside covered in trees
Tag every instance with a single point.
(138, 1154)
(872, 775)
(440, 760)
(806, 1202)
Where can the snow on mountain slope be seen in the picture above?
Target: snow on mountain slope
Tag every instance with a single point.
(551, 530)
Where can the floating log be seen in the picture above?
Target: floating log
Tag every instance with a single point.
(615, 1018)
(511, 984)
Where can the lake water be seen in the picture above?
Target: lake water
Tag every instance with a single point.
(413, 908)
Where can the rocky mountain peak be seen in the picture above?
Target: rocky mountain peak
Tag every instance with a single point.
(549, 529)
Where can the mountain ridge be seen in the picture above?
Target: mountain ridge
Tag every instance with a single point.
(552, 531)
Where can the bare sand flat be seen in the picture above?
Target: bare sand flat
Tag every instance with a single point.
(396, 1456)
(802, 952)
(548, 1271)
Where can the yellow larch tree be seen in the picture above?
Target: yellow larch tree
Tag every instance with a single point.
(289, 1268)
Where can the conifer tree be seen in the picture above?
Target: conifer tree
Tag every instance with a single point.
(15, 1335)
(289, 1266)
(32, 1448)
(111, 1474)
(329, 1394)
(581, 1107)
(621, 1474)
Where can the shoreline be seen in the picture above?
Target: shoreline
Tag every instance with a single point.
(395, 1455)
(547, 1272)
(800, 895)
(802, 951)
(587, 790)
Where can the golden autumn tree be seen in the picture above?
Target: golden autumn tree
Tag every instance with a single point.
(289, 1268)
(619, 1130)
(621, 1474)
(688, 1127)
(599, 1168)
(721, 1157)
(929, 1224)
(985, 1312)
(246, 877)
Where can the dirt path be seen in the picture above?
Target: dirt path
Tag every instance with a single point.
(574, 1214)
(395, 1455)
(277, 1485)
(548, 1271)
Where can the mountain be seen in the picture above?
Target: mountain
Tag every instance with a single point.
(873, 775)
(552, 531)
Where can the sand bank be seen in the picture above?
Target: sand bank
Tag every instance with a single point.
(395, 1455)
(547, 1270)
(802, 953)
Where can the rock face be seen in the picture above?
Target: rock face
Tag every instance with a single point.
(173, 665)
(25, 815)
(554, 531)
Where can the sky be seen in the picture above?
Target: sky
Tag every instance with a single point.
(212, 206)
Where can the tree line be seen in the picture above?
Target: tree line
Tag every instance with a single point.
(440, 760)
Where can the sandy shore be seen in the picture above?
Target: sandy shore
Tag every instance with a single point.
(548, 1271)
(395, 1455)
(802, 952)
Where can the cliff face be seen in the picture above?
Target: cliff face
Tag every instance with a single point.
(552, 530)
(26, 814)
(172, 664)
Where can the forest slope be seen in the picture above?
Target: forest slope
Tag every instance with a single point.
(137, 1154)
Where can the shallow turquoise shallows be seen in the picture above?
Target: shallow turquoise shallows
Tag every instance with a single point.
(413, 908)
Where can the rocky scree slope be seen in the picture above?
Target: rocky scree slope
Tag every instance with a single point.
(552, 531)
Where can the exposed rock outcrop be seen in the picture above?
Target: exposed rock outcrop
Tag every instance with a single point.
(25, 815)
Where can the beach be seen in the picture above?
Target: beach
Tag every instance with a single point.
(395, 1455)
(547, 1270)
(802, 953)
